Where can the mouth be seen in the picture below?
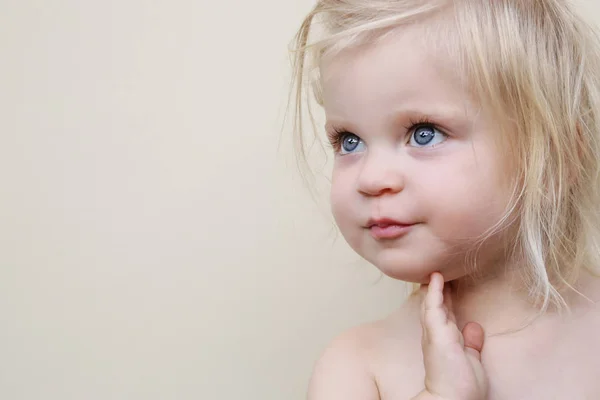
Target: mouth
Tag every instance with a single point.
(388, 229)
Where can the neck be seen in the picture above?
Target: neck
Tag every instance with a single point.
(501, 303)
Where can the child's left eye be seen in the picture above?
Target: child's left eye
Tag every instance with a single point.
(426, 135)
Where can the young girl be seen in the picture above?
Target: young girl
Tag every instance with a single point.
(466, 136)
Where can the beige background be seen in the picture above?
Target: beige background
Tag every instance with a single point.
(155, 239)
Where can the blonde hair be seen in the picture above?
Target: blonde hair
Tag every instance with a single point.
(535, 64)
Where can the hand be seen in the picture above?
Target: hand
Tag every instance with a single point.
(453, 369)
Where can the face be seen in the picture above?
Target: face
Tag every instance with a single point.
(418, 177)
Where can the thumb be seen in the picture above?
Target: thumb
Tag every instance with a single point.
(473, 336)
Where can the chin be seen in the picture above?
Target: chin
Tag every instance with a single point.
(414, 269)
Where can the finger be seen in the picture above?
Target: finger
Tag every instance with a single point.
(448, 303)
(434, 297)
(435, 314)
(473, 339)
(424, 312)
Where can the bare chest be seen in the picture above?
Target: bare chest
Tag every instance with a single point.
(538, 367)
(533, 366)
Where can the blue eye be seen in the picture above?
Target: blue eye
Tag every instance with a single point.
(426, 135)
(349, 143)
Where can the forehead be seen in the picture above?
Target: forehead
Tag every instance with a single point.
(403, 69)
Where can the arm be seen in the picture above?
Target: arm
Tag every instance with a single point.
(342, 372)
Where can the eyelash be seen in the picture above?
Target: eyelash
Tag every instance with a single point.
(337, 135)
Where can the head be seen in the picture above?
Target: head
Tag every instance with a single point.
(465, 135)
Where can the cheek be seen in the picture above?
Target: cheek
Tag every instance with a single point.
(465, 201)
(340, 194)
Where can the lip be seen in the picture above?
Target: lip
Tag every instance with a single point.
(387, 229)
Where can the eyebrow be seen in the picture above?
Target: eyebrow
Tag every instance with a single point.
(446, 117)
(334, 125)
(444, 113)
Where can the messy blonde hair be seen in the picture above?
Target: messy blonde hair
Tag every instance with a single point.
(534, 64)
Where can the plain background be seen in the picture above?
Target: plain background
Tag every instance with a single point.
(156, 241)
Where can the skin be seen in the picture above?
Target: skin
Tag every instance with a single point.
(442, 343)
(452, 358)
(452, 189)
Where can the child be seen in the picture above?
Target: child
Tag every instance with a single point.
(466, 137)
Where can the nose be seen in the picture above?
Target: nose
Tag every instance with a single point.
(380, 174)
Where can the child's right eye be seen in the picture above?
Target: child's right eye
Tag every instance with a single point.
(346, 142)
(350, 143)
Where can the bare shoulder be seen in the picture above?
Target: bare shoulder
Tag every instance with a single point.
(344, 372)
(356, 363)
